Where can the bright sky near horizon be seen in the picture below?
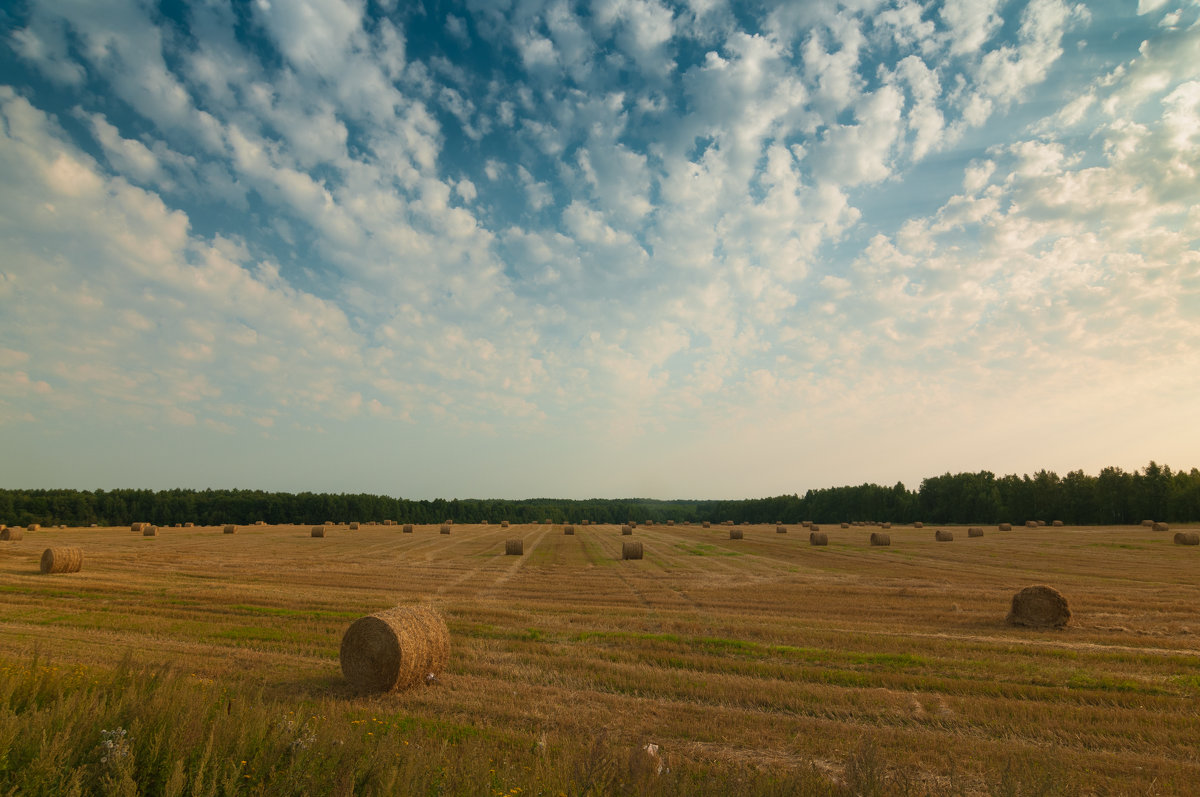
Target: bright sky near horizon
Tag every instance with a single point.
(609, 248)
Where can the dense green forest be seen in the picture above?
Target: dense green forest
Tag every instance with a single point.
(1113, 497)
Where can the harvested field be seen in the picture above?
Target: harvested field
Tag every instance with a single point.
(698, 648)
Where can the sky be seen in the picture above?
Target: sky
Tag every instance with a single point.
(608, 248)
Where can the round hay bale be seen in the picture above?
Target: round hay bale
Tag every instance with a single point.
(781, 529)
(568, 529)
(813, 527)
(445, 529)
(395, 649)
(16, 534)
(627, 530)
(138, 527)
(887, 525)
(735, 534)
(503, 524)
(845, 525)
(670, 522)
(150, 531)
(1187, 538)
(1160, 527)
(231, 529)
(354, 527)
(318, 531)
(707, 525)
(1057, 524)
(514, 547)
(1031, 524)
(648, 523)
(34, 527)
(178, 525)
(879, 538)
(1039, 607)
(818, 538)
(942, 535)
(974, 531)
(189, 525)
(631, 549)
(1005, 527)
(918, 525)
(62, 560)
(1148, 523)
(407, 529)
(260, 522)
(93, 525)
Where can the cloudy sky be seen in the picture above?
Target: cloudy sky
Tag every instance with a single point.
(516, 248)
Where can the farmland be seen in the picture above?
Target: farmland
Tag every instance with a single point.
(762, 664)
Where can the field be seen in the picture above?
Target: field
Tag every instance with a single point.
(761, 665)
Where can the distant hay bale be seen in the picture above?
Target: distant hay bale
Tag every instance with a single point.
(813, 527)
(670, 522)
(568, 529)
(93, 525)
(1148, 523)
(781, 529)
(727, 523)
(845, 525)
(1187, 538)
(942, 535)
(231, 529)
(887, 525)
(503, 524)
(1039, 607)
(354, 527)
(548, 521)
(1031, 524)
(16, 534)
(138, 527)
(627, 529)
(1005, 527)
(150, 531)
(395, 649)
(260, 522)
(388, 522)
(189, 525)
(974, 531)
(583, 522)
(745, 522)
(879, 538)
(818, 538)
(62, 525)
(648, 523)
(62, 560)
(918, 525)
(631, 549)
(406, 529)
(178, 525)
(34, 527)
(1057, 524)
(1160, 527)
(514, 547)
(318, 531)
(807, 523)
(445, 529)
(707, 525)
(735, 534)
(484, 523)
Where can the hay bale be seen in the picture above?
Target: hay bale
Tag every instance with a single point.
(514, 547)
(845, 525)
(813, 527)
(93, 525)
(670, 522)
(395, 649)
(887, 525)
(1160, 527)
(34, 527)
(974, 531)
(781, 529)
(631, 549)
(1031, 524)
(354, 526)
(1147, 523)
(735, 534)
(1187, 538)
(648, 523)
(178, 525)
(1057, 524)
(1005, 527)
(231, 529)
(627, 530)
(260, 522)
(62, 560)
(942, 535)
(138, 527)
(918, 525)
(879, 538)
(1039, 607)
(707, 525)
(318, 531)
(189, 525)
(503, 524)
(407, 529)
(445, 529)
(16, 534)
(568, 529)
(818, 538)
(150, 531)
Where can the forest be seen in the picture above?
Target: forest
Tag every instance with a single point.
(1113, 497)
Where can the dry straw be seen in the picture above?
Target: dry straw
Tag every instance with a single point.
(568, 529)
(670, 522)
(974, 531)
(231, 529)
(354, 527)
(887, 525)
(189, 525)
(1005, 527)
(627, 529)
(918, 525)
(1187, 538)
(631, 549)
(845, 525)
(1057, 524)
(1031, 524)
(318, 531)
(818, 538)
(34, 527)
(445, 528)
(941, 535)
(62, 560)
(1147, 523)
(735, 534)
(781, 529)
(1161, 527)
(12, 533)
(707, 525)
(879, 538)
(503, 524)
(813, 527)
(150, 531)
(395, 649)
(138, 527)
(407, 529)
(514, 547)
(1039, 607)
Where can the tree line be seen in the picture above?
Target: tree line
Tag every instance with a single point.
(1114, 496)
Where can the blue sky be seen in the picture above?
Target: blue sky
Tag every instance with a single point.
(612, 248)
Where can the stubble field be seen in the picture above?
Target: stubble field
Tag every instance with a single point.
(876, 670)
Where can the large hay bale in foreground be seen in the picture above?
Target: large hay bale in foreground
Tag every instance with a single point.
(407, 529)
(62, 560)
(231, 529)
(818, 538)
(879, 538)
(568, 529)
(627, 530)
(16, 534)
(395, 649)
(942, 535)
(514, 547)
(974, 531)
(150, 531)
(1005, 527)
(445, 529)
(1187, 538)
(781, 529)
(1039, 607)
(735, 534)
(1160, 527)
(318, 531)
(631, 549)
